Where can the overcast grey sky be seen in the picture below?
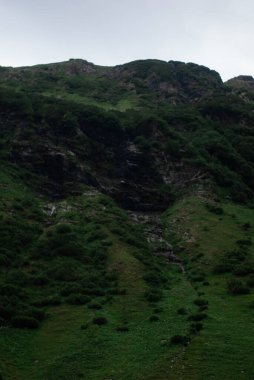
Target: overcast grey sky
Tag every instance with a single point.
(215, 33)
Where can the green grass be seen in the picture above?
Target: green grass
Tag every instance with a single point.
(67, 344)
(122, 105)
(224, 349)
(61, 350)
(135, 341)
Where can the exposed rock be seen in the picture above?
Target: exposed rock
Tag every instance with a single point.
(154, 233)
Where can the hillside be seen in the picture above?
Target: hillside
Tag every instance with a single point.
(127, 222)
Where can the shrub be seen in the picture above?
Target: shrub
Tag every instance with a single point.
(179, 339)
(153, 295)
(70, 289)
(113, 291)
(122, 292)
(153, 278)
(181, 311)
(40, 280)
(200, 302)
(37, 313)
(77, 299)
(4, 260)
(243, 270)
(197, 317)
(215, 209)
(246, 226)
(8, 311)
(99, 292)
(196, 327)
(107, 243)
(2, 323)
(94, 305)
(221, 268)
(244, 242)
(250, 282)
(236, 287)
(154, 318)
(48, 301)
(198, 278)
(122, 328)
(24, 322)
(112, 276)
(230, 261)
(203, 307)
(100, 321)
(158, 310)
(63, 229)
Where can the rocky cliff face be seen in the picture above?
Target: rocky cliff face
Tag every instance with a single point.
(138, 179)
(242, 86)
(174, 81)
(242, 81)
(66, 123)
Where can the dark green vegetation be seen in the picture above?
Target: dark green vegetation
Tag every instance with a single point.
(101, 171)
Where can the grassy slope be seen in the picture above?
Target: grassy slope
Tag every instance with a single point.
(224, 349)
(61, 349)
(122, 105)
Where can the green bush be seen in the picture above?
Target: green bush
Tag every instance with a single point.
(8, 310)
(179, 339)
(94, 305)
(215, 209)
(100, 321)
(196, 327)
(181, 311)
(40, 280)
(243, 270)
(48, 301)
(5, 261)
(72, 288)
(200, 302)
(122, 328)
(246, 226)
(25, 322)
(77, 299)
(250, 282)
(63, 229)
(236, 287)
(153, 278)
(197, 317)
(154, 318)
(230, 261)
(153, 295)
(244, 242)
(158, 310)
(198, 278)
(37, 313)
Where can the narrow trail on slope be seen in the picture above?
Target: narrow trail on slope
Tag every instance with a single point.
(154, 232)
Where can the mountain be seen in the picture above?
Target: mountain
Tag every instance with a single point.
(126, 221)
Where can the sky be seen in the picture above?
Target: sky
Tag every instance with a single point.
(215, 33)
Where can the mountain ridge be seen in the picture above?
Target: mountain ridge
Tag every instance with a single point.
(126, 223)
(85, 63)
